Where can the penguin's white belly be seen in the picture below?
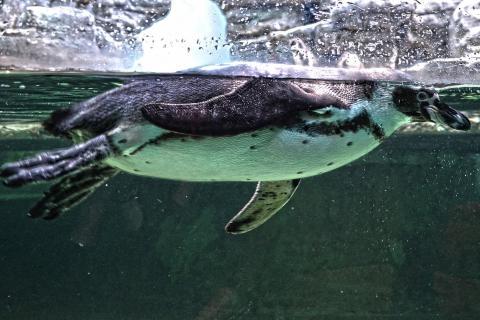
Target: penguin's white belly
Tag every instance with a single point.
(265, 155)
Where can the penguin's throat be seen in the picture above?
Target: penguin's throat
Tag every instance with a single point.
(382, 111)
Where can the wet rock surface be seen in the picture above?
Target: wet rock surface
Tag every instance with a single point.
(72, 34)
(465, 29)
(81, 33)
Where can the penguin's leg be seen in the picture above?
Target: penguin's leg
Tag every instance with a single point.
(55, 164)
(71, 190)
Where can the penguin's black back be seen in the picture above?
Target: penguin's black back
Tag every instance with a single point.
(103, 112)
(123, 105)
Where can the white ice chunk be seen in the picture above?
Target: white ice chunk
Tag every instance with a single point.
(192, 34)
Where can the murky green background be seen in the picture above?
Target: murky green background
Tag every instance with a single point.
(393, 235)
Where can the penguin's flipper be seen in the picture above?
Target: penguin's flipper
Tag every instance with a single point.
(257, 103)
(268, 199)
(71, 190)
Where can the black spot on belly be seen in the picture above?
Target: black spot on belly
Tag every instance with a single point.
(122, 141)
(148, 162)
(254, 135)
(247, 221)
(136, 170)
(253, 147)
(305, 141)
(350, 143)
(300, 172)
(330, 164)
(269, 194)
(258, 211)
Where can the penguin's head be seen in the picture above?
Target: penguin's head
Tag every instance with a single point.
(423, 104)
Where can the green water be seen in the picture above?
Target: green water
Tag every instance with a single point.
(395, 234)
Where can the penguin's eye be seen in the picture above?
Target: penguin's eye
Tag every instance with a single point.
(422, 96)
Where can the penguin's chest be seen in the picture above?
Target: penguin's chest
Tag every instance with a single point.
(305, 149)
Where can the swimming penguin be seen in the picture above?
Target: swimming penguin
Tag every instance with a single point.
(191, 127)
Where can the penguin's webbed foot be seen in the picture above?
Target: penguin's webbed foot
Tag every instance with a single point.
(51, 165)
(71, 190)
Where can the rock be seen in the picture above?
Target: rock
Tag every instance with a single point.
(248, 22)
(371, 15)
(428, 37)
(302, 54)
(11, 8)
(433, 6)
(374, 30)
(350, 60)
(382, 33)
(57, 37)
(63, 20)
(391, 33)
(257, 28)
(465, 29)
(123, 18)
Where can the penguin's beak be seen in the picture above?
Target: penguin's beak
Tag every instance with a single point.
(443, 114)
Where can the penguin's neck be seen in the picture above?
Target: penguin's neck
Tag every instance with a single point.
(382, 110)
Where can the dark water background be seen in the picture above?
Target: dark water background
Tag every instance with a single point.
(395, 234)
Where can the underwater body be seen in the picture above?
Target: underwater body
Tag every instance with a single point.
(393, 224)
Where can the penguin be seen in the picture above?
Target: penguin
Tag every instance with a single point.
(190, 127)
